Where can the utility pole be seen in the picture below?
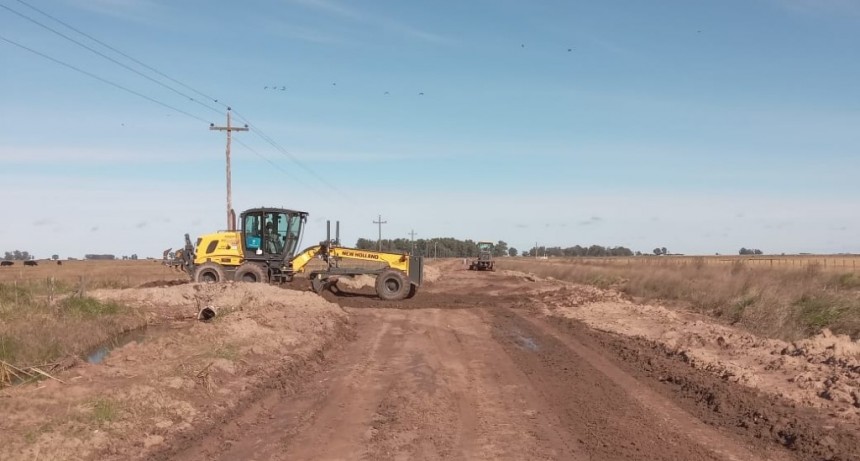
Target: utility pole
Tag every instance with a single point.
(412, 240)
(231, 221)
(379, 239)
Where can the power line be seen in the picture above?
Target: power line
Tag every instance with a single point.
(287, 154)
(258, 131)
(120, 52)
(103, 80)
(270, 162)
(99, 53)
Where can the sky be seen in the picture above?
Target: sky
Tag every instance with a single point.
(698, 126)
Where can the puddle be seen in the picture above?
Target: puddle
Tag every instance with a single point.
(528, 343)
(98, 354)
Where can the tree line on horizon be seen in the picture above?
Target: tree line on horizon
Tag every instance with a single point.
(450, 247)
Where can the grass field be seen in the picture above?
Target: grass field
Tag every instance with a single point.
(46, 315)
(95, 274)
(845, 263)
(784, 297)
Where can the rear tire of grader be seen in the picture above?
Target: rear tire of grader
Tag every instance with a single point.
(392, 285)
(250, 273)
(209, 273)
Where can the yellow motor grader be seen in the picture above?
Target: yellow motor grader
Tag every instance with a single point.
(264, 250)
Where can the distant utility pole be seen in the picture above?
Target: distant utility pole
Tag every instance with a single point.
(412, 234)
(229, 129)
(379, 238)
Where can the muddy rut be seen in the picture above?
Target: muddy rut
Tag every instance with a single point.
(459, 375)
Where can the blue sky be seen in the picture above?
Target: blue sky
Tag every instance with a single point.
(698, 126)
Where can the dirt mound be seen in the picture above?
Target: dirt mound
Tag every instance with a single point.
(821, 372)
(356, 283)
(432, 274)
(145, 395)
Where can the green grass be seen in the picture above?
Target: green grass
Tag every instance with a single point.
(104, 410)
(38, 328)
(847, 281)
(8, 348)
(736, 313)
(227, 351)
(89, 306)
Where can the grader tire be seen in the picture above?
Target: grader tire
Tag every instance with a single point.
(412, 290)
(391, 285)
(250, 273)
(209, 273)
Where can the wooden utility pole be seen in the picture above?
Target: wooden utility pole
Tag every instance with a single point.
(379, 239)
(231, 218)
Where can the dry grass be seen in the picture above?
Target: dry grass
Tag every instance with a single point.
(780, 302)
(840, 263)
(34, 329)
(45, 314)
(93, 274)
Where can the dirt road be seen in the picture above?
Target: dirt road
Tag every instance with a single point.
(466, 376)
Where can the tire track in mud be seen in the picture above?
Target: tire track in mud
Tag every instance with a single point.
(595, 408)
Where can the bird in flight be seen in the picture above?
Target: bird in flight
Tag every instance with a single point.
(421, 94)
(387, 92)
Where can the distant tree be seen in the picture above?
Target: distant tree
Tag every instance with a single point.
(512, 252)
(134, 257)
(658, 251)
(757, 251)
(55, 257)
(17, 255)
(104, 256)
(664, 250)
(500, 249)
(638, 253)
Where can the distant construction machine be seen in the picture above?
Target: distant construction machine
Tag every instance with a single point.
(264, 250)
(485, 257)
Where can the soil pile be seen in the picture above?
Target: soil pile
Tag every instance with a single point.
(820, 372)
(146, 396)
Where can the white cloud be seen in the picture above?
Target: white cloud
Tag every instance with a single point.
(96, 155)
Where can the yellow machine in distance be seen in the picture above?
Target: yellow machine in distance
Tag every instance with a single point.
(264, 250)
